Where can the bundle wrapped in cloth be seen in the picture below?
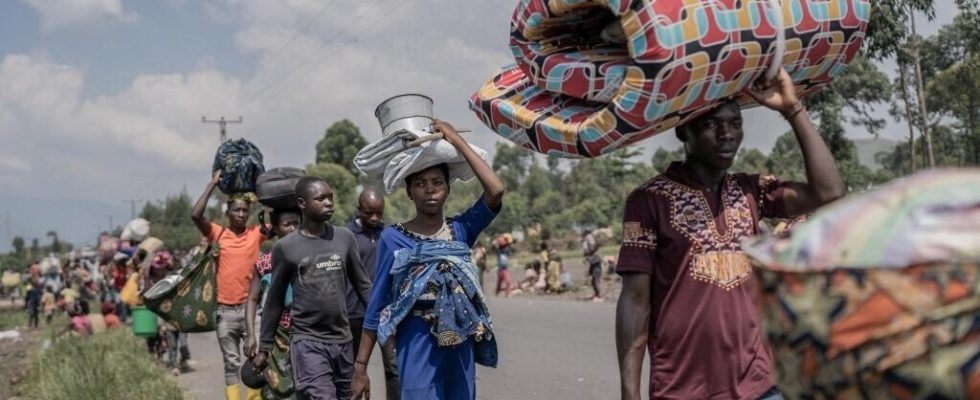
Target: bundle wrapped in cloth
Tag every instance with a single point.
(594, 76)
(136, 230)
(878, 295)
(240, 162)
(407, 145)
(276, 187)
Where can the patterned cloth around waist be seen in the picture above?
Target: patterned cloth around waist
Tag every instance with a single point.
(459, 310)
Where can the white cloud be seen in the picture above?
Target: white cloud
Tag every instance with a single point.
(58, 14)
(14, 164)
(78, 142)
(147, 140)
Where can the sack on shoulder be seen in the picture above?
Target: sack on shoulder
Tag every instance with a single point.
(188, 301)
(130, 293)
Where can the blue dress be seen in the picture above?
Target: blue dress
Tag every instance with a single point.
(426, 371)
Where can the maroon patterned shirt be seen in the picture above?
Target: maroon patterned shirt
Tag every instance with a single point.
(263, 266)
(705, 341)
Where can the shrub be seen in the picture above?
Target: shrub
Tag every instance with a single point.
(113, 365)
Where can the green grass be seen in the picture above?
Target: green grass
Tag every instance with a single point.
(113, 365)
(13, 319)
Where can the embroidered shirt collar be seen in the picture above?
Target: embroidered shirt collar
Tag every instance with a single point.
(680, 173)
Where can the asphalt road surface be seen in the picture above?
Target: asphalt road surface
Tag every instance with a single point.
(549, 349)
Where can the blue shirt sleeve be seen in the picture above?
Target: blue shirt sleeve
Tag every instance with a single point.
(474, 220)
(381, 291)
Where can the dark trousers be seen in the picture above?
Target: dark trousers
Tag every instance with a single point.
(392, 387)
(33, 316)
(322, 370)
(595, 271)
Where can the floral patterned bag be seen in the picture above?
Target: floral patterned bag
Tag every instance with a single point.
(188, 302)
(279, 375)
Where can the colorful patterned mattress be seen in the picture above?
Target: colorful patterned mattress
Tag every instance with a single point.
(594, 76)
(877, 296)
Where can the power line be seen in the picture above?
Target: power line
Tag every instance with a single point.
(303, 29)
(322, 46)
(285, 45)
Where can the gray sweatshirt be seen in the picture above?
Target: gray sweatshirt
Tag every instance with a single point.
(319, 270)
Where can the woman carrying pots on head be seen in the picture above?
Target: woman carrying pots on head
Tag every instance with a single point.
(426, 296)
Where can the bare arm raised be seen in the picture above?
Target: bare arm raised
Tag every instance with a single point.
(824, 183)
(197, 215)
(493, 187)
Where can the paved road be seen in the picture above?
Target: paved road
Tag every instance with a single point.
(549, 349)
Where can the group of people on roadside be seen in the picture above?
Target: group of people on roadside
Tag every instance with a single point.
(315, 306)
(71, 285)
(687, 296)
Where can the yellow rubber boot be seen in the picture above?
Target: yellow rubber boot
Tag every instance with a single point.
(233, 392)
(253, 394)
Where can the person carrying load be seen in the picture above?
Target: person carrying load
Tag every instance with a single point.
(688, 291)
(427, 295)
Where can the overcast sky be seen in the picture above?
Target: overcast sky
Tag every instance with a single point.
(101, 100)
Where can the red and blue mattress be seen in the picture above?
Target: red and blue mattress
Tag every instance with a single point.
(578, 91)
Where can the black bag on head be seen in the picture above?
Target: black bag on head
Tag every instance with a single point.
(276, 188)
(240, 162)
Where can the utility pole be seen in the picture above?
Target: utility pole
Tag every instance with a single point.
(7, 225)
(223, 124)
(132, 207)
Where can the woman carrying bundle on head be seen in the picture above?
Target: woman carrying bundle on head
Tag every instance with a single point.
(427, 295)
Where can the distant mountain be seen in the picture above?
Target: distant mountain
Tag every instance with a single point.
(76, 221)
(868, 148)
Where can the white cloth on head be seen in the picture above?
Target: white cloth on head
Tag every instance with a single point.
(136, 230)
(392, 157)
(374, 158)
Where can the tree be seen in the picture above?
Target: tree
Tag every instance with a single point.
(662, 158)
(344, 186)
(952, 65)
(18, 245)
(751, 161)
(35, 247)
(850, 98)
(152, 212)
(949, 153)
(904, 110)
(170, 221)
(55, 244)
(889, 22)
(340, 143)
(786, 159)
(956, 92)
(913, 50)
(511, 163)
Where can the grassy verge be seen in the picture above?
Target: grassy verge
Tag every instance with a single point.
(12, 319)
(113, 365)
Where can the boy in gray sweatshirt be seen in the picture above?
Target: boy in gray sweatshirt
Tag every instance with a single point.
(319, 261)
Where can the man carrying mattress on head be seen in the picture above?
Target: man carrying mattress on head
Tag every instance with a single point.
(688, 293)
